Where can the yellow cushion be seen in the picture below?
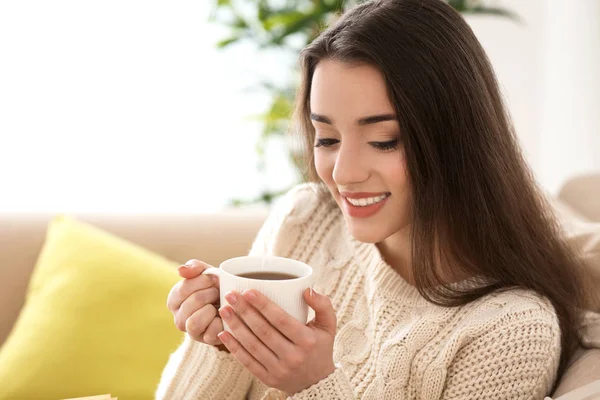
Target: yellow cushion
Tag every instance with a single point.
(95, 319)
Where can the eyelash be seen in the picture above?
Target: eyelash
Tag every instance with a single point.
(383, 146)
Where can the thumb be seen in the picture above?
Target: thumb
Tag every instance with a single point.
(324, 313)
(192, 269)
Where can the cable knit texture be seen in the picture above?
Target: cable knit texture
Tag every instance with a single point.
(390, 342)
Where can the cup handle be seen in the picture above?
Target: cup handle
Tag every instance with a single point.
(212, 271)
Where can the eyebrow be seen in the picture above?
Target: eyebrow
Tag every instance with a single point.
(373, 119)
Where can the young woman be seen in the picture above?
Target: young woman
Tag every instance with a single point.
(441, 273)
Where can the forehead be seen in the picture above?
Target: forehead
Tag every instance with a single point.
(340, 88)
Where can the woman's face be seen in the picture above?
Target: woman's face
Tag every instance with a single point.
(359, 153)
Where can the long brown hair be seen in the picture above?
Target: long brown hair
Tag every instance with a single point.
(472, 189)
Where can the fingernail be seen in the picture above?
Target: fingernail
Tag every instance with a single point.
(223, 337)
(249, 294)
(189, 263)
(214, 279)
(312, 292)
(225, 313)
(231, 298)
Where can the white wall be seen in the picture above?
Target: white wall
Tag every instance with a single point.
(122, 106)
(571, 102)
(516, 52)
(548, 69)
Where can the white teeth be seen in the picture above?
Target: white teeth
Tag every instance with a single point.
(367, 201)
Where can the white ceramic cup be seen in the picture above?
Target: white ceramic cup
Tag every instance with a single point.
(287, 293)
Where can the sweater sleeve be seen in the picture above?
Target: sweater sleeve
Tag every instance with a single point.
(334, 387)
(517, 359)
(200, 371)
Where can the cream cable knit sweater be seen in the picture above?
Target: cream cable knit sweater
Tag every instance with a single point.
(390, 343)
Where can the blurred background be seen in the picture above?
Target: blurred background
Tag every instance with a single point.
(144, 122)
(131, 106)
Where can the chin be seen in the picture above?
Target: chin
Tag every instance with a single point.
(366, 234)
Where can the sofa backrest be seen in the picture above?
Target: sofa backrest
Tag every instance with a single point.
(179, 237)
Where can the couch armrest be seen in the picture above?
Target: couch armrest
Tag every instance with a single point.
(591, 391)
(582, 193)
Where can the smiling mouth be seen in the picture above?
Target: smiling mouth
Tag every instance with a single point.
(367, 201)
(364, 207)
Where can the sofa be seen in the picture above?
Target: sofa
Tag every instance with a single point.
(229, 233)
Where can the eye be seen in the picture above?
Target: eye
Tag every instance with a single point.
(326, 142)
(385, 146)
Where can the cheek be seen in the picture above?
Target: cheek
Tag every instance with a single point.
(404, 194)
(398, 181)
(399, 176)
(394, 172)
(324, 166)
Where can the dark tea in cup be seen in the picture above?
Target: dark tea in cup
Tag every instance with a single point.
(267, 276)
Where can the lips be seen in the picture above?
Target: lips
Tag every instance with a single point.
(358, 210)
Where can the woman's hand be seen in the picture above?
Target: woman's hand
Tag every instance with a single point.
(194, 301)
(277, 349)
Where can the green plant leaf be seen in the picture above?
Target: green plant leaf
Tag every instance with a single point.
(284, 19)
(501, 12)
(226, 42)
(264, 11)
(458, 5)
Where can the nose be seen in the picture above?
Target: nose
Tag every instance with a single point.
(349, 168)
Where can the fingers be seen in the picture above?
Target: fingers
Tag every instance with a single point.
(248, 339)
(193, 268)
(193, 303)
(183, 289)
(263, 329)
(245, 358)
(325, 317)
(289, 326)
(197, 323)
(210, 335)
